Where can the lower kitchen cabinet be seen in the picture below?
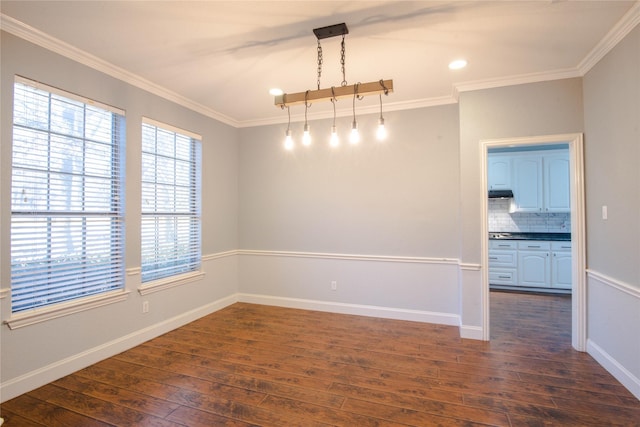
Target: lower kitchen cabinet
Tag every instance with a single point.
(534, 269)
(530, 264)
(561, 265)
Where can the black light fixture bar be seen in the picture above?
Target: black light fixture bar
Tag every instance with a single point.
(331, 31)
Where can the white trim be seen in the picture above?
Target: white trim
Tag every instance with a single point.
(351, 257)
(64, 309)
(170, 282)
(217, 255)
(354, 309)
(470, 267)
(33, 35)
(471, 332)
(34, 379)
(578, 226)
(630, 381)
(517, 80)
(170, 128)
(613, 37)
(614, 283)
(4, 292)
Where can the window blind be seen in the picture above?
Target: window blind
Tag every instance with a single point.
(171, 221)
(67, 216)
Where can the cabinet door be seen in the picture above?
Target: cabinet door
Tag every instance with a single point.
(533, 269)
(499, 172)
(561, 270)
(527, 185)
(556, 183)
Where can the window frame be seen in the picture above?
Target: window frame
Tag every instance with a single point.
(158, 283)
(96, 298)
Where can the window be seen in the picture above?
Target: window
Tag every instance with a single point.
(67, 219)
(170, 201)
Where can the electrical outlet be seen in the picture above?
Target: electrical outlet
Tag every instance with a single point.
(145, 306)
(334, 285)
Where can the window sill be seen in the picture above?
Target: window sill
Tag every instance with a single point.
(64, 309)
(170, 282)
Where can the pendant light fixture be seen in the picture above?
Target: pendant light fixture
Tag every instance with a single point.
(288, 140)
(356, 91)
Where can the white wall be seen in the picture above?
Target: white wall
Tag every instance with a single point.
(34, 354)
(612, 156)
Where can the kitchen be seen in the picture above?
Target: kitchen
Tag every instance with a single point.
(529, 219)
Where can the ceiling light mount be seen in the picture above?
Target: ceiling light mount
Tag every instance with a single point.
(331, 31)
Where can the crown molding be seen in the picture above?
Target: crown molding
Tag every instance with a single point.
(613, 37)
(516, 80)
(39, 38)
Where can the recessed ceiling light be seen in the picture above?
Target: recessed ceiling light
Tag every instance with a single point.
(276, 92)
(457, 64)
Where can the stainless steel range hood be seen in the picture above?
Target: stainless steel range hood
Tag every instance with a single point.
(500, 194)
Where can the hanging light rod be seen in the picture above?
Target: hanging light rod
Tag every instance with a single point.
(364, 89)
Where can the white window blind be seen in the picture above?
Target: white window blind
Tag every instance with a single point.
(67, 216)
(170, 201)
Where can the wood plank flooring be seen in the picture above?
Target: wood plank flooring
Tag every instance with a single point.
(252, 365)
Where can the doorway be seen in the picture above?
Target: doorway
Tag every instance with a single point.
(578, 257)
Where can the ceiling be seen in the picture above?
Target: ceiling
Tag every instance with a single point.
(222, 57)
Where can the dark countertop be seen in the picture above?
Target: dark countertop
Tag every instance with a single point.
(506, 235)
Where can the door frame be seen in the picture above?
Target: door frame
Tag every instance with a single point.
(578, 224)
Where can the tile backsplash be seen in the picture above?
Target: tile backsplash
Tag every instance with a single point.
(501, 220)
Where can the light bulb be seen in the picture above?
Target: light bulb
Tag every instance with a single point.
(334, 141)
(354, 138)
(381, 133)
(288, 140)
(306, 135)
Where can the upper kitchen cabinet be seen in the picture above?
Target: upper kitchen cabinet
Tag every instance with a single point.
(499, 172)
(556, 182)
(541, 181)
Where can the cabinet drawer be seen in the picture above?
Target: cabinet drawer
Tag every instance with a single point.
(503, 244)
(534, 245)
(504, 258)
(502, 276)
(560, 246)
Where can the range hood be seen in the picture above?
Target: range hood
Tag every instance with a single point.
(500, 194)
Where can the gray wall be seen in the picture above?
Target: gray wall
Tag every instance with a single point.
(546, 108)
(26, 349)
(398, 197)
(612, 157)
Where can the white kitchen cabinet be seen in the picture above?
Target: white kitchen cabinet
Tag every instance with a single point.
(541, 181)
(527, 183)
(499, 172)
(561, 265)
(534, 264)
(556, 183)
(503, 260)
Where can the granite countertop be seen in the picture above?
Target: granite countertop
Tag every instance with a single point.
(508, 235)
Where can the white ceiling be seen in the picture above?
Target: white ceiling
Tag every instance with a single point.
(222, 57)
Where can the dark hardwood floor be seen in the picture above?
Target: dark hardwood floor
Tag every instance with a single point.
(268, 366)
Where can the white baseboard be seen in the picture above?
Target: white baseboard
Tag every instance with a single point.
(471, 332)
(619, 372)
(39, 377)
(355, 309)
